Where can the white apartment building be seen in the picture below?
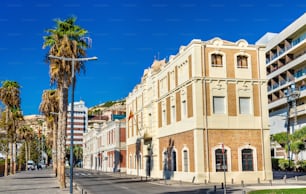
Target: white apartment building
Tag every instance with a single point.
(286, 71)
(80, 122)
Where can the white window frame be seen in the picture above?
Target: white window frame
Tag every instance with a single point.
(248, 146)
(217, 53)
(228, 155)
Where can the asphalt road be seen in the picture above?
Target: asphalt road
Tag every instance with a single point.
(109, 183)
(94, 182)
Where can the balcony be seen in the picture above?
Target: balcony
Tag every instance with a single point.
(285, 49)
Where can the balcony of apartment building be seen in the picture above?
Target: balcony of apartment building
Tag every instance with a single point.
(277, 98)
(285, 51)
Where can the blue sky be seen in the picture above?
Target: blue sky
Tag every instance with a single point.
(126, 37)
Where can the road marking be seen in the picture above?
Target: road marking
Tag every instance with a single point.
(124, 187)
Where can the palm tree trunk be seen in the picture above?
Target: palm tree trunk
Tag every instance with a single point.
(6, 163)
(26, 154)
(63, 105)
(14, 157)
(7, 143)
(54, 146)
(11, 156)
(29, 150)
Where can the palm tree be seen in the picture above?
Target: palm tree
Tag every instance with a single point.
(29, 137)
(65, 40)
(49, 107)
(10, 97)
(17, 119)
(24, 134)
(78, 153)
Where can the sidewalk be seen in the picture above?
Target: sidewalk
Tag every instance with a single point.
(32, 182)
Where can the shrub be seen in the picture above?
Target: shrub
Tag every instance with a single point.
(275, 164)
(284, 164)
(301, 166)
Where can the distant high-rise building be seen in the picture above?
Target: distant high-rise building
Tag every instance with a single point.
(80, 122)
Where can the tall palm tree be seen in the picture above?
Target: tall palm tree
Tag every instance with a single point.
(10, 97)
(49, 107)
(65, 40)
(17, 119)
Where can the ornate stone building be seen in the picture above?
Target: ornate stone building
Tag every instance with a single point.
(200, 113)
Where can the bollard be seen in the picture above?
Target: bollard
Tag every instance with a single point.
(270, 181)
(242, 183)
(215, 188)
(285, 179)
(141, 178)
(258, 180)
(232, 181)
(296, 178)
(205, 181)
(222, 186)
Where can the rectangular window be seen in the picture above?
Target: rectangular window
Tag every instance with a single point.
(164, 118)
(184, 111)
(219, 104)
(244, 105)
(185, 155)
(173, 114)
(242, 61)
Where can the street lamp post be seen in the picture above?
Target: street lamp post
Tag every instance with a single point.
(72, 108)
(292, 95)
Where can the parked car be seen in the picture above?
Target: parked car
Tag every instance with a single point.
(41, 166)
(31, 165)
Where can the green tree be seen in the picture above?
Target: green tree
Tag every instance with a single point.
(10, 97)
(78, 153)
(49, 107)
(65, 40)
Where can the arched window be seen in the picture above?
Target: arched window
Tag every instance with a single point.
(173, 160)
(185, 161)
(220, 165)
(247, 160)
(216, 60)
(242, 61)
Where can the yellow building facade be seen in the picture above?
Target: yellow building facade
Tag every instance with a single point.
(202, 112)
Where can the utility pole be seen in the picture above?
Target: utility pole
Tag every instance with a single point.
(292, 95)
(73, 60)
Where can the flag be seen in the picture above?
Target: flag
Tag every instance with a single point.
(131, 115)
